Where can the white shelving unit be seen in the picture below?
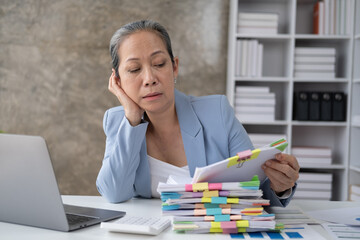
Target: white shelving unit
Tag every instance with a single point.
(295, 30)
(354, 148)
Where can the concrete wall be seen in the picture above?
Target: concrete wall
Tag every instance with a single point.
(55, 66)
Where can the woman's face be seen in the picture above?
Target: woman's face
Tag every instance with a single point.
(146, 71)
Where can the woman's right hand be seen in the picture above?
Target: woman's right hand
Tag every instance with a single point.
(133, 112)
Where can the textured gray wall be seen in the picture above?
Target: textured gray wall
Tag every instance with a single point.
(55, 66)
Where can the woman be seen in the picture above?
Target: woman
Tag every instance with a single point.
(159, 130)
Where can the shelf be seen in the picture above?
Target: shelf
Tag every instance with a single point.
(357, 36)
(323, 166)
(329, 37)
(355, 125)
(258, 36)
(319, 123)
(277, 122)
(356, 80)
(262, 79)
(326, 80)
(355, 169)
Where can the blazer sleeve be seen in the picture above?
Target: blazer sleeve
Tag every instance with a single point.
(116, 178)
(240, 141)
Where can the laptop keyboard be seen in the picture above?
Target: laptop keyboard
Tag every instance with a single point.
(74, 219)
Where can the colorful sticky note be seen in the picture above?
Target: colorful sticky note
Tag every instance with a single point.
(197, 187)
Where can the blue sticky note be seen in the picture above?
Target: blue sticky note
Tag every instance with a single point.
(274, 235)
(222, 218)
(255, 235)
(237, 235)
(213, 211)
(219, 200)
(293, 235)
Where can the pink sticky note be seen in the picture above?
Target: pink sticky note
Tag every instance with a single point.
(188, 188)
(244, 154)
(230, 230)
(230, 224)
(215, 186)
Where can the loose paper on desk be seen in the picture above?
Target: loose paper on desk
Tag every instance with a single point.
(348, 216)
(241, 167)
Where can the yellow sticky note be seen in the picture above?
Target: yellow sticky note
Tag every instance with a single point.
(255, 154)
(242, 223)
(232, 200)
(206, 200)
(233, 161)
(216, 230)
(211, 193)
(198, 187)
(215, 224)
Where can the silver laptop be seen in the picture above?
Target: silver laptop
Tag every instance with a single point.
(29, 193)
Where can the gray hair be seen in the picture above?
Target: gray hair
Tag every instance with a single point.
(130, 28)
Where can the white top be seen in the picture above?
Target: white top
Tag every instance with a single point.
(160, 171)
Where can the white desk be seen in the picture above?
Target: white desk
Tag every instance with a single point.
(137, 207)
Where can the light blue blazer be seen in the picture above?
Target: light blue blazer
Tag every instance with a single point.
(210, 133)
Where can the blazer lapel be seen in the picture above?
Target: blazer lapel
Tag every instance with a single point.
(191, 132)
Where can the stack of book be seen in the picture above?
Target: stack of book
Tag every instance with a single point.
(254, 104)
(228, 207)
(258, 23)
(332, 17)
(354, 192)
(261, 139)
(248, 58)
(312, 155)
(314, 62)
(315, 186)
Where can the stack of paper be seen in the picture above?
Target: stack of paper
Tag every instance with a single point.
(254, 103)
(257, 23)
(355, 192)
(261, 139)
(228, 207)
(332, 17)
(316, 186)
(312, 155)
(248, 58)
(314, 62)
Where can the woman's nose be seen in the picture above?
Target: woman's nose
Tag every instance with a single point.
(150, 78)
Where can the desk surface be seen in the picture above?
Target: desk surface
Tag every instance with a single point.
(138, 207)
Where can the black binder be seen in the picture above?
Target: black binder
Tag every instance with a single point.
(339, 107)
(325, 106)
(314, 106)
(301, 107)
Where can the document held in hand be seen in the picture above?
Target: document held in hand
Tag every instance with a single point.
(241, 167)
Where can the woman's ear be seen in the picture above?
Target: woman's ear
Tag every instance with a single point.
(176, 67)
(116, 72)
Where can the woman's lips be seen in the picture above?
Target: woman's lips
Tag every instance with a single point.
(152, 96)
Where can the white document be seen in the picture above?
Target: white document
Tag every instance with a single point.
(349, 216)
(342, 231)
(230, 170)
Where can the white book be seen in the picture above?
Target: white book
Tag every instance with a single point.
(260, 60)
(304, 194)
(342, 17)
(254, 95)
(254, 57)
(314, 59)
(249, 57)
(327, 17)
(348, 17)
(258, 16)
(321, 18)
(313, 160)
(311, 151)
(238, 58)
(314, 74)
(257, 23)
(252, 89)
(256, 117)
(318, 51)
(338, 9)
(255, 109)
(315, 177)
(355, 189)
(257, 30)
(254, 101)
(314, 186)
(331, 16)
(244, 62)
(314, 67)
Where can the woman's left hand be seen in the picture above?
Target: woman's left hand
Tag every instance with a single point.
(282, 172)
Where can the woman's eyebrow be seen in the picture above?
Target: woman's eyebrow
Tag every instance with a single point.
(153, 54)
